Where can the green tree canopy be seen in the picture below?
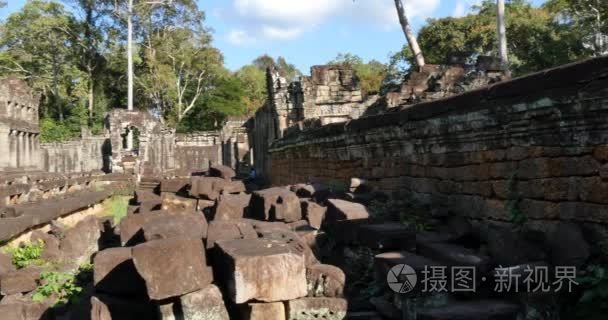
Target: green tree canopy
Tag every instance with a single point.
(371, 74)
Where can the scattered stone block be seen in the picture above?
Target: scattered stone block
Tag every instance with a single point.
(229, 230)
(265, 311)
(20, 281)
(106, 307)
(345, 210)
(204, 304)
(387, 236)
(223, 172)
(14, 311)
(51, 250)
(6, 263)
(114, 273)
(313, 213)
(176, 185)
(293, 240)
(316, 308)
(172, 267)
(325, 280)
(261, 269)
(81, 242)
(165, 226)
(276, 204)
(231, 206)
(178, 204)
(99, 310)
(210, 188)
(130, 228)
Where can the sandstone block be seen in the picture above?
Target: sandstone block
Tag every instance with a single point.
(229, 230)
(6, 263)
(223, 172)
(14, 311)
(325, 280)
(20, 281)
(231, 206)
(262, 269)
(211, 187)
(106, 307)
(291, 238)
(276, 204)
(172, 267)
(204, 304)
(81, 242)
(130, 228)
(177, 185)
(345, 210)
(165, 226)
(316, 308)
(177, 204)
(313, 213)
(265, 311)
(114, 273)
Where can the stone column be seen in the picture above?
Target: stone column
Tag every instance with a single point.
(26, 150)
(4, 147)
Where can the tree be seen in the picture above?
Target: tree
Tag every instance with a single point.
(502, 32)
(37, 45)
(284, 68)
(254, 84)
(409, 34)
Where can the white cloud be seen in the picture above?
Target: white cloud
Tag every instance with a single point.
(240, 37)
(285, 20)
(463, 7)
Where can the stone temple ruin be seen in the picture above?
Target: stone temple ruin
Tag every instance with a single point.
(454, 168)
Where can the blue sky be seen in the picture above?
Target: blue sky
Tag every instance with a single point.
(309, 32)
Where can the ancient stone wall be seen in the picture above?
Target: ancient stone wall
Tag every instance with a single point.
(538, 144)
(197, 150)
(19, 131)
(89, 153)
(331, 94)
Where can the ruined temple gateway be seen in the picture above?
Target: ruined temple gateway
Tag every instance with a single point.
(456, 167)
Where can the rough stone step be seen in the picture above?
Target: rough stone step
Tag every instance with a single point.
(475, 310)
(454, 255)
(387, 236)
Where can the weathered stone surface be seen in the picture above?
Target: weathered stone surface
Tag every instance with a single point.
(13, 311)
(99, 310)
(387, 236)
(291, 238)
(223, 172)
(211, 187)
(176, 185)
(313, 213)
(81, 242)
(114, 273)
(131, 232)
(325, 280)
(568, 246)
(51, 245)
(477, 310)
(508, 247)
(316, 308)
(107, 307)
(164, 226)
(275, 204)
(178, 204)
(345, 210)
(261, 269)
(204, 304)
(265, 311)
(229, 230)
(172, 267)
(6, 263)
(20, 281)
(231, 206)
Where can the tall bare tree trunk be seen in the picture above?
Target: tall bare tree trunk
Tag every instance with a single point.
(409, 34)
(88, 34)
(130, 56)
(502, 32)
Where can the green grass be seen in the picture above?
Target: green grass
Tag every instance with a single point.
(27, 254)
(116, 206)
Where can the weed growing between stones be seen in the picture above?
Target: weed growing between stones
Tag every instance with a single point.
(116, 206)
(27, 254)
(63, 287)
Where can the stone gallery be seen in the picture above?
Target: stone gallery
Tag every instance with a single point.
(411, 204)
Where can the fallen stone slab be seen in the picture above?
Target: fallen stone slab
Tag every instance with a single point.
(345, 210)
(172, 267)
(275, 204)
(204, 304)
(324, 280)
(131, 232)
(175, 185)
(80, 242)
(14, 311)
(20, 281)
(165, 226)
(475, 310)
(316, 308)
(293, 240)
(210, 188)
(177, 204)
(51, 250)
(313, 213)
(387, 236)
(261, 226)
(229, 230)
(221, 171)
(114, 273)
(6, 263)
(261, 269)
(264, 311)
(231, 206)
